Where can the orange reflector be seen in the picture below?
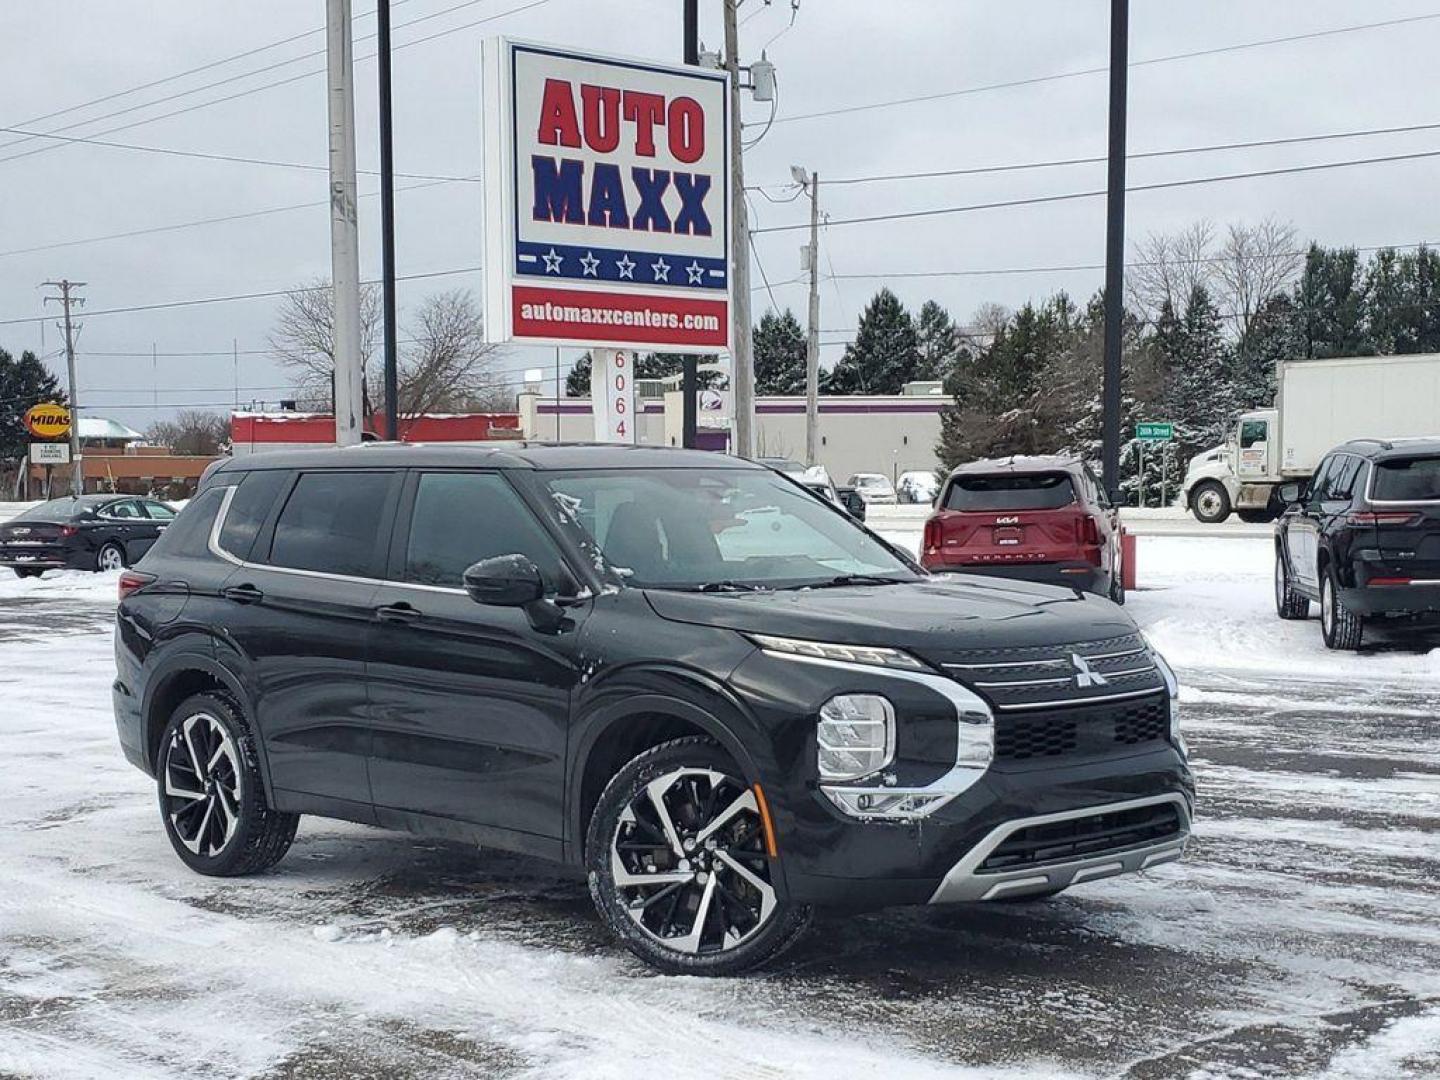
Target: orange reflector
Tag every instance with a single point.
(765, 823)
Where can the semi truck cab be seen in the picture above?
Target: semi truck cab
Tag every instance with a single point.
(1240, 474)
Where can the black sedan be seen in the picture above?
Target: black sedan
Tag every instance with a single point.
(91, 532)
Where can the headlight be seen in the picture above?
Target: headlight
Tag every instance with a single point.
(1172, 687)
(855, 736)
(848, 654)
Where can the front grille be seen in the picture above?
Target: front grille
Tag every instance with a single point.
(1094, 729)
(1045, 677)
(1082, 837)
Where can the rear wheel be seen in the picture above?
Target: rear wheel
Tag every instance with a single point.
(1341, 627)
(677, 863)
(1289, 604)
(111, 557)
(211, 799)
(1255, 517)
(27, 571)
(1210, 502)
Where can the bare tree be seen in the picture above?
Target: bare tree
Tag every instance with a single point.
(193, 431)
(303, 338)
(1255, 263)
(450, 367)
(1167, 267)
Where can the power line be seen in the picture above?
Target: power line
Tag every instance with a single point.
(1035, 80)
(981, 170)
(263, 86)
(1069, 196)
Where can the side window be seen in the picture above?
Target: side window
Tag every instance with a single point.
(254, 497)
(461, 518)
(128, 510)
(331, 523)
(1252, 432)
(158, 511)
(1342, 485)
(1320, 482)
(189, 537)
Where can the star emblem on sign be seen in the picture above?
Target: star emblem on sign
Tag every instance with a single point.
(696, 273)
(553, 259)
(590, 264)
(661, 268)
(626, 266)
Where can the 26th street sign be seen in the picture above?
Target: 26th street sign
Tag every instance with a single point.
(606, 201)
(1155, 432)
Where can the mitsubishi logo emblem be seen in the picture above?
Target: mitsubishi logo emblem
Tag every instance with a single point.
(1085, 675)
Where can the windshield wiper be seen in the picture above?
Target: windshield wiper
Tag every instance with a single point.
(842, 580)
(728, 586)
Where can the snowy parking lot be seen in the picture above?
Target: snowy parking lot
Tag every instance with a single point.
(1300, 937)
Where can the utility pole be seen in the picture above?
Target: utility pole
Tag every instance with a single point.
(66, 299)
(387, 224)
(1115, 243)
(689, 369)
(812, 344)
(344, 225)
(742, 356)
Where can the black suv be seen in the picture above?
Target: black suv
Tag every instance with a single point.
(719, 695)
(1362, 537)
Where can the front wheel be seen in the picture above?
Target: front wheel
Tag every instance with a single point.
(1289, 604)
(26, 571)
(211, 799)
(677, 858)
(1341, 627)
(1210, 502)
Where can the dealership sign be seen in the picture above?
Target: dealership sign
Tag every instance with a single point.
(47, 420)
(607, 201)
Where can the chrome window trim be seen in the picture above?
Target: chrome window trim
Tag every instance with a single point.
(1370, 491)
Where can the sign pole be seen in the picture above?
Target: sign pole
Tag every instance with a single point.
(1115, 242)
(344, 224)
(612, 395)
(689, 362)
(742, 374)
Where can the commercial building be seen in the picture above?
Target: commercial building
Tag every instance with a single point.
(114, 459)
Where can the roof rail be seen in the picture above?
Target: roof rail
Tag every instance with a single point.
(1384, 444)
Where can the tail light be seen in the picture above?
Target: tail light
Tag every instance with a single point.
(68, 530)
(1090, 538)
(933, 535)
(1382, 517)
(131, 580)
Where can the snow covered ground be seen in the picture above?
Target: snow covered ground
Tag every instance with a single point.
(1300, 937)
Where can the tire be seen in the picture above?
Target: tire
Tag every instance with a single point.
(1289, 604)
(1117, 588)
(1210, 502)
(1341, 627)
(111, 557)
(668, 794)
(216, 816)
(26, 571)
(1255, 517)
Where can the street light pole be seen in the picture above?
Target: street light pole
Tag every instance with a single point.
(689, 370)
(1115, 244)
(387, 224)
(812, 344)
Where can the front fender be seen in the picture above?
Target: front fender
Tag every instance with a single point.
(1212, 470)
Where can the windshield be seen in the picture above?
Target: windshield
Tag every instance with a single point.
(55, 510)
(1408, 480)
(1010, 491)
(721, 529)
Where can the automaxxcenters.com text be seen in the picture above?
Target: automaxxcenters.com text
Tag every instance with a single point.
(604, 316)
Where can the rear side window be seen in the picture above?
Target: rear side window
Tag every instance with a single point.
(1407, 480)
(254, 497)
(461, 518)
(331, 523)
(188, 536)
(1027, 491)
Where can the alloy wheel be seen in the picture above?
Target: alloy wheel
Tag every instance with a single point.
(202, 784)
(1327, 607)
(111, 558)
(688, 862)
(1281, 586)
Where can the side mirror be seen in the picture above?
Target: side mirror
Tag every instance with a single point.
(505, 581)
(1290, 494)
(1118, 497)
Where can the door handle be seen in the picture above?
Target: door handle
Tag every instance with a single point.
(397, 613)
(242, 594)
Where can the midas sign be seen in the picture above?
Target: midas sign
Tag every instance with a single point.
(612, 226)
(47, 421)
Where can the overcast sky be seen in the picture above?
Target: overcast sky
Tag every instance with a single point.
(839, 53)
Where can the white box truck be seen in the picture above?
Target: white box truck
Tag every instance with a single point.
(1319, 404)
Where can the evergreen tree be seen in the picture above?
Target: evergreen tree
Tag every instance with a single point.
(1198, 396)
(885, 354)
(23, 383)
(939, 342)
(1331, 296)
(647, 366)
(1275, 333)
(780, 351)
(1402, 294)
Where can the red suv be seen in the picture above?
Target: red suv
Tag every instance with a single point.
(1038, 518)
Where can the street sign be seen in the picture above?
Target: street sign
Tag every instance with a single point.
(49, 453)
(607, 201)
(1155, 432)
(47, 420)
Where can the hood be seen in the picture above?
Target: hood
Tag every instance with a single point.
(929, 617)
